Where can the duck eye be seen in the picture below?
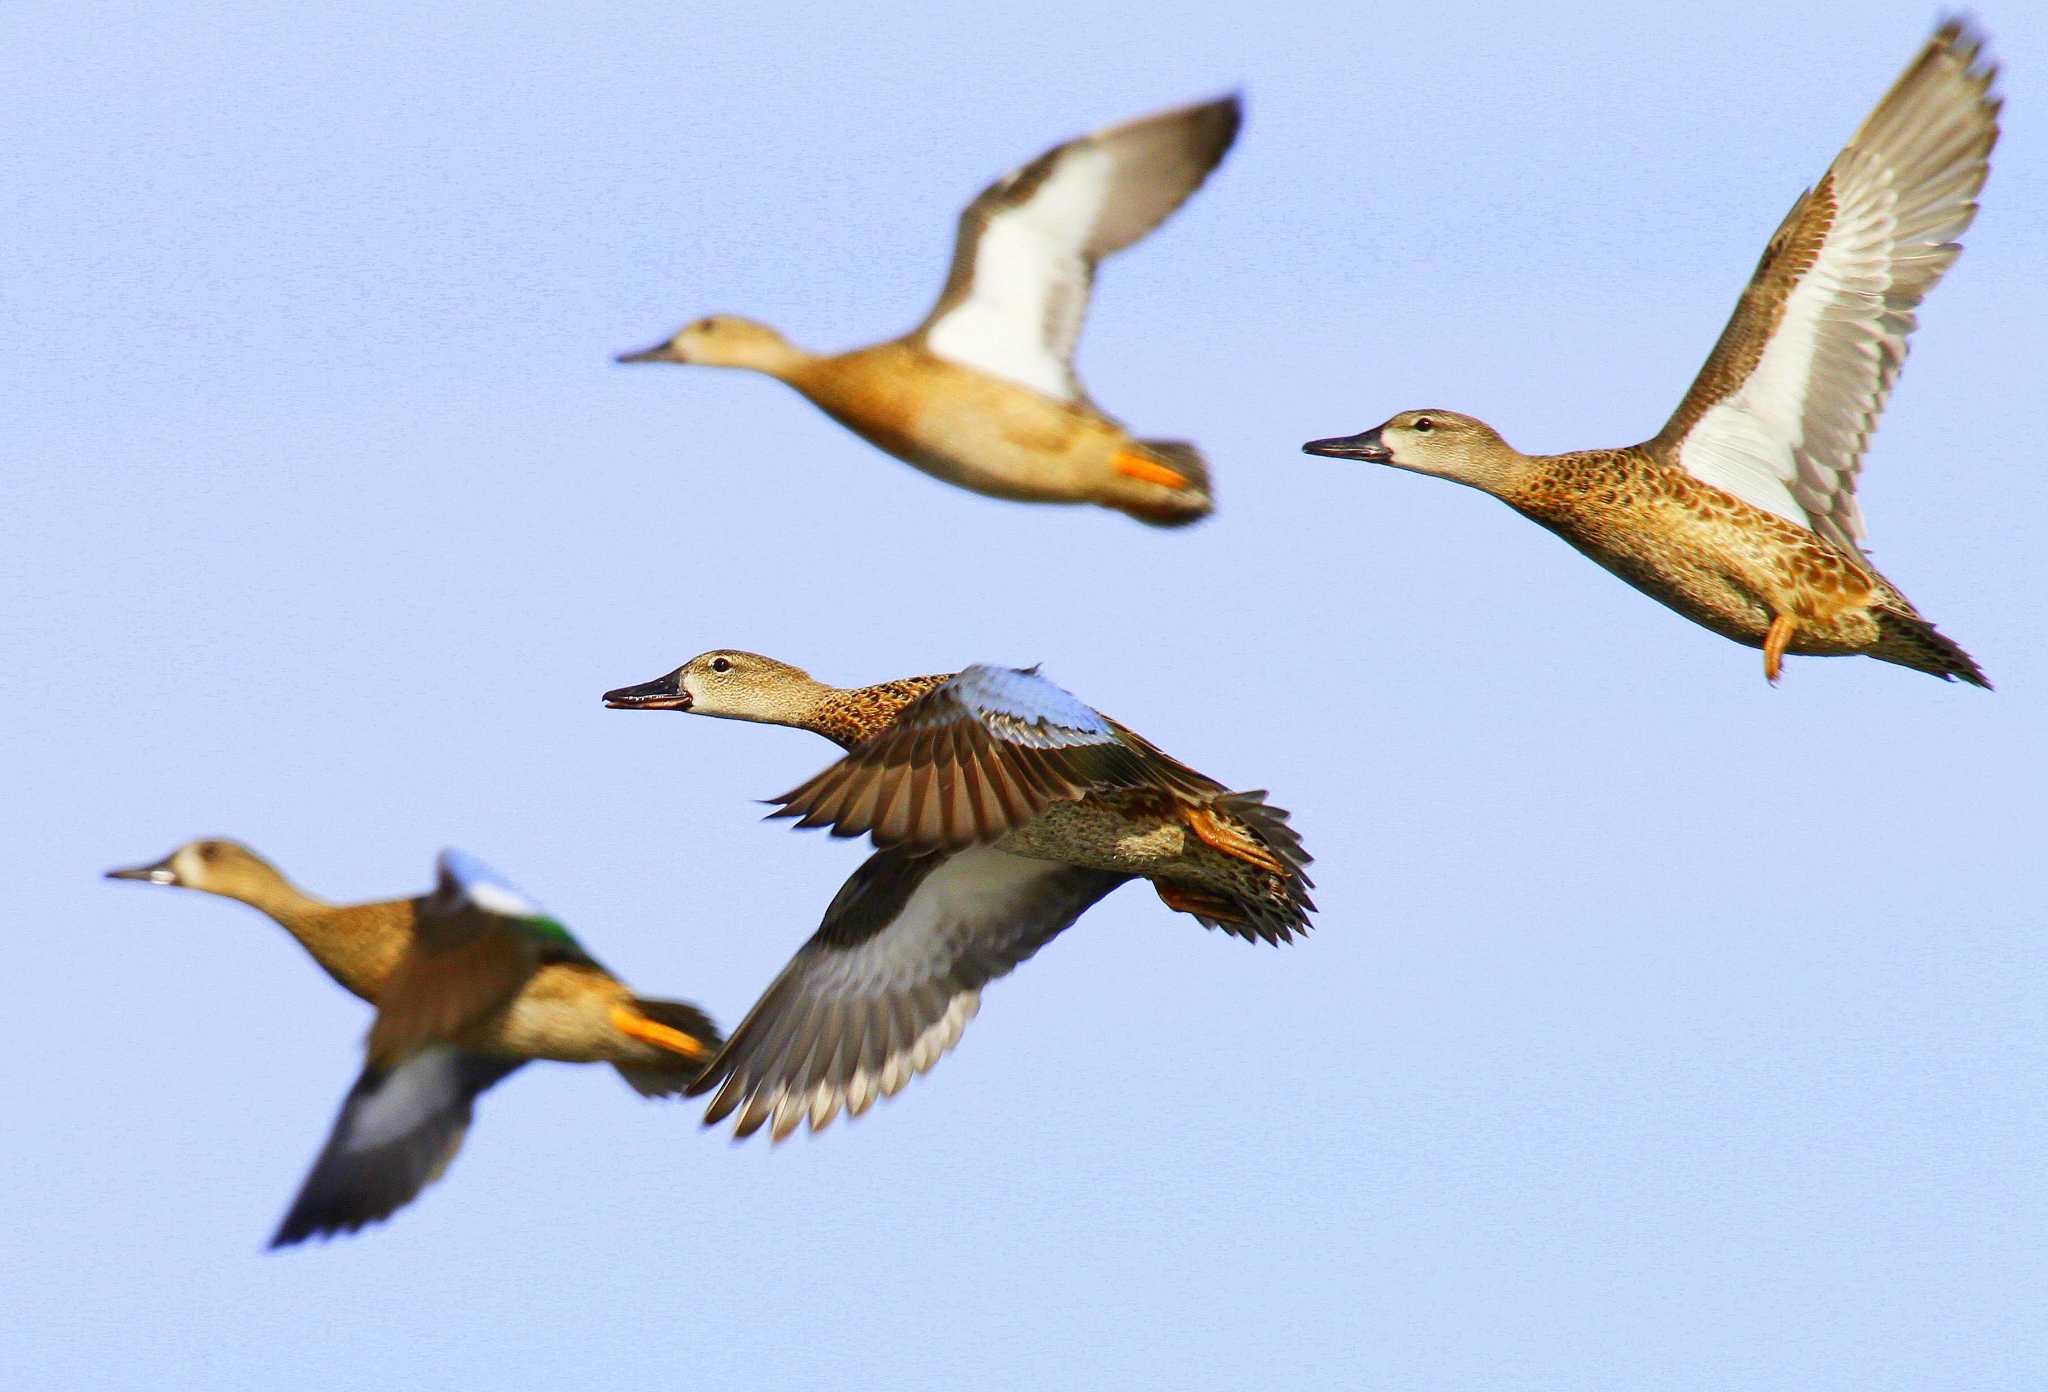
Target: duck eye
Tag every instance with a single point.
(1424, 424)
(721, 664)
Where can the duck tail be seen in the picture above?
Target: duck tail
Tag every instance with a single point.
(1279, 912)
(1178, 504)
(686, 1019)
(1911, 641)
(1184, 459)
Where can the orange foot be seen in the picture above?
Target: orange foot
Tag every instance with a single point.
(1182, 899)
(1779, 634)
(1134, 464)
(637, 1026)
(1231, 839)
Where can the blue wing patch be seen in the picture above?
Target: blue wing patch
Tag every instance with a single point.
(464, 876)
(1025, 708)
(465, 879)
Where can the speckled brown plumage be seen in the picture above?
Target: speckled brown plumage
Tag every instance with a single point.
(924, 773)
(854, 715)
(1002, 809)
(1726, 565)
(1742, 512)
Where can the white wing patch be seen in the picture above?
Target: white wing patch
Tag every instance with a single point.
(1747, 443)
(1791, 436)
(1023, 311)
(485, 887)
(1832, 347)
(421, 1088)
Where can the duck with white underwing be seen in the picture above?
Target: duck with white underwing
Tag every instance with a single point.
(1003, 809)
(983, 393)
(1741, 514)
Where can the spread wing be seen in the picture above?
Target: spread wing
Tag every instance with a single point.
(397, 1131)
(1025, 257)
(888, 982)
(976, 758)
(1782, 411)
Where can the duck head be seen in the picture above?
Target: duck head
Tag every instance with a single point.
(729, 684)
(1442, 443)
(215, 866)
(722, 340)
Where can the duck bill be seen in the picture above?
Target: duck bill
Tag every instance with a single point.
(159, 872)
(659, 352)
(663, 693)
(1367, 446)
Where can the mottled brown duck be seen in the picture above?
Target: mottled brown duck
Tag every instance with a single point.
(1741, 514)
(1003, 808)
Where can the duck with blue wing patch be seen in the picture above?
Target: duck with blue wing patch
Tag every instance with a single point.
(480, 943)
(471, 981)
(1003, 808)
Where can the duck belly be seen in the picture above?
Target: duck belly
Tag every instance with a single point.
(1043, 452)
(1131, 834)
(966, 427)
(1096, 836)
(1733, 576)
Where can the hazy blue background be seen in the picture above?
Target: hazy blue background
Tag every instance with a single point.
(1662, 1029)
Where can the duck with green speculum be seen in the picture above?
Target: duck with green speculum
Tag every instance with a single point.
(1741, 514)
(983, 393)
(1003, 809)
(470, 982)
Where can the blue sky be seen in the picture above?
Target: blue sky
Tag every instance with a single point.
(1661, 1028)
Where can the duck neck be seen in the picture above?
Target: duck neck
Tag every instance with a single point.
(851, 716)
(1553, 486)
(356, 944)
(778, 358)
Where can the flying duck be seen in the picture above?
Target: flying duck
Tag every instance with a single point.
(469, 982)
(983, 392)
(1003, 808)
(1741, 513)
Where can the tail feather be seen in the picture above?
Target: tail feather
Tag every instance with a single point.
(1183, 506)
(1910, 641)
(1184, 459)
(1281, 912)
(670, 1081)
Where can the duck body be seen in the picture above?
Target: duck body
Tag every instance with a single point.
(1226, 856)
(1153, 837)
(1145, 832)
(1727, 565)
(566, 1012)
(997, 438)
